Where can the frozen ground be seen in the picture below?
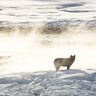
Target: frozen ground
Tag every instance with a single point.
(74, 82)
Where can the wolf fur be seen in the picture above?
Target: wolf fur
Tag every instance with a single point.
(58, 62)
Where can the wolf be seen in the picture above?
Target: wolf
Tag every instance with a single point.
(58, 62)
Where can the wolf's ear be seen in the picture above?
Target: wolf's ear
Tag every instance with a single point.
(74, 55)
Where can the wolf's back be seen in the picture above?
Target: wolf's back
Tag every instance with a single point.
(62, 61)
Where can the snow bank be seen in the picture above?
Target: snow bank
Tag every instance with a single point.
(49, 83)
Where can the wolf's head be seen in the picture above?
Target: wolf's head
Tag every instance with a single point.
(73, 57)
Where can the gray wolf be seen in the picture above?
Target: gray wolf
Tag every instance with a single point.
(58, 62)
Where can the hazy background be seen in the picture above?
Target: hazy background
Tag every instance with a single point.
(35, 32)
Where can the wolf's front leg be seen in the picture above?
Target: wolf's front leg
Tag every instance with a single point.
(68, 67)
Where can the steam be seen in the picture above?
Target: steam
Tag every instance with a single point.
(34, 47)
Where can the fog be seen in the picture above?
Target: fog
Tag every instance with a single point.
(36, 51)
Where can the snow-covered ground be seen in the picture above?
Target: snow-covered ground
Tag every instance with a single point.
(74, 82)
(24, 11)
(35, 32)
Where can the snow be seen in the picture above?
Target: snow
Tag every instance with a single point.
(73, 82)
(46, 10)
(34, 32)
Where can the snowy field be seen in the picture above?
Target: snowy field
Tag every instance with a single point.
(74, 82)
(35, 32)
(25, 11)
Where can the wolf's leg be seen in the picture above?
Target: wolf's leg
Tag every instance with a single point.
(57, 68)
(68, 67)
